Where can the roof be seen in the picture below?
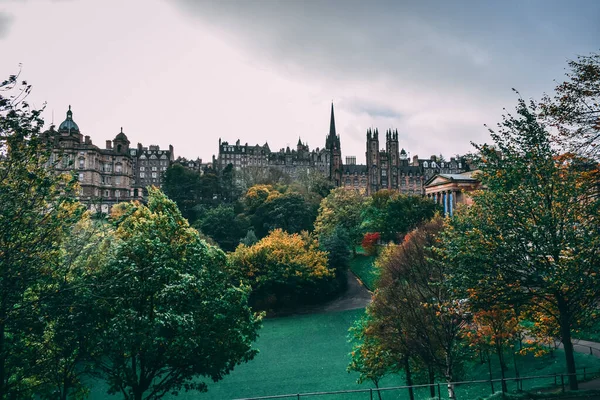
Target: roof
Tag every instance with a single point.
(68, 124)
(448, 178)
(354, 168)
(121, 136)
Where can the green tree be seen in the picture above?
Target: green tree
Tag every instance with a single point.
(168, 310)
(393, 214)
(184, 187)
(223, 226)
(371, 360)
(575, 107)
(338, 254)
(38, 209)
(533, 233)
(289, 211)
(341, 209)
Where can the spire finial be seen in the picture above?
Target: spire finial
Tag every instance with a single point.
(332, 123)
(121, 129)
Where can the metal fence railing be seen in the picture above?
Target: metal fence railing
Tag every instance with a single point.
(462, 390)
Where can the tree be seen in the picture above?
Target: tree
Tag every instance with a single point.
(223, 226)
(575, 107)
(371, 360)
(393, 214)
(284, 270)
(341, 208)
(168, 311)
(533, 233)
(414, 309)
(38, 209)
(289, 212)
(184, 187)
(338, 254)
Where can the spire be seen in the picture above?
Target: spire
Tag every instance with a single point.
(299, 141)
(69, 113)
(332, 123)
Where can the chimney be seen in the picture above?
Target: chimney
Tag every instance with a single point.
(88, 140)
(415, 160)
(108, 145)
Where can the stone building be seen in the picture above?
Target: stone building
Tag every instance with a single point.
(106, 175)
(327, 160)
(451, 190)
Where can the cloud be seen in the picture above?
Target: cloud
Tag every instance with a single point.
(6, 20)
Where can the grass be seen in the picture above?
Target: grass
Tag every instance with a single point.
(362, 266)
(591, 333)
(309, 353)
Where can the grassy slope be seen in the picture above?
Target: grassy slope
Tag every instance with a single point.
(363, 267)
(309, 353)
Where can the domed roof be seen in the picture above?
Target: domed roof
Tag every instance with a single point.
(68, 125)
(121, 136)
(403, 151)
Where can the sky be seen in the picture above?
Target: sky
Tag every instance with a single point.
(188, 72)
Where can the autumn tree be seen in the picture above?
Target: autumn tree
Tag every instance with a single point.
(533, 233)
(415, 308)
(574, 109)
(368, 357)
(283, 269)
(36, 213)
(168, 310)
(341, 209)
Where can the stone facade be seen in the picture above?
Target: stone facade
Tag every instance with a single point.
(385, 168)
(106, 175)
(451, 190)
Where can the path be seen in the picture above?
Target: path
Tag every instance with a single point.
(355, 296)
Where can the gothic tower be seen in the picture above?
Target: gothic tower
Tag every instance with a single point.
(373, 162)
(392, 150)
(332, 143)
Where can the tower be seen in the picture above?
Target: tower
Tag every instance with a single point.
(332, 143)
(391, 148)
(373, 162)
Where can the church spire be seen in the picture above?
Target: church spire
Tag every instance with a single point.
(332, 123)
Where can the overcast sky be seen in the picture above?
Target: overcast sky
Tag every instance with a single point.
(186, 72)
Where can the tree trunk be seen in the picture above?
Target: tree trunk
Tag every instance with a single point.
(431, 381)
(408, 378)
(450, 378)
(489, 363)
(565, 331)
(3, 388)
(500, 353)
(376, 382)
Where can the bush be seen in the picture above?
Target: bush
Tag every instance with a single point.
(369, 243)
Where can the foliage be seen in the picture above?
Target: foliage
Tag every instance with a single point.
(338, 254)
(182, 185)
(283, 269)
(167, 310)
(414, 311)
(363, 267)
(341, 208)
(223, 226)
(250, 238)
(289, 211)
(368, 357)
(37, 210)
(575, 107)
(531, 237)
(393, 214)
(369, 243)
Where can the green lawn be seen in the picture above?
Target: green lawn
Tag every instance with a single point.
(592, 333)
(363, 267)
(309, 353)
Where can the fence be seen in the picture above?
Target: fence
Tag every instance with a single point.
(463, 390)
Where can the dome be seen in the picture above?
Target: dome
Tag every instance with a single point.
(403, 151)
(68, 124)
(122, 136)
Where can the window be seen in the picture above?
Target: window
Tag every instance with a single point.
(425, 164)
(154, 174)
(117, 180)
(118, 168)
(142, 175)
(142, 168)
(117, 193)
(106, 193)
(81, 163)
(80, 176)
(383, 172)
(153, 168)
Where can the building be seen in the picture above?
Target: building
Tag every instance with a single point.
(106, 175)
(451, 190)
(293, 162)
(385, 168)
